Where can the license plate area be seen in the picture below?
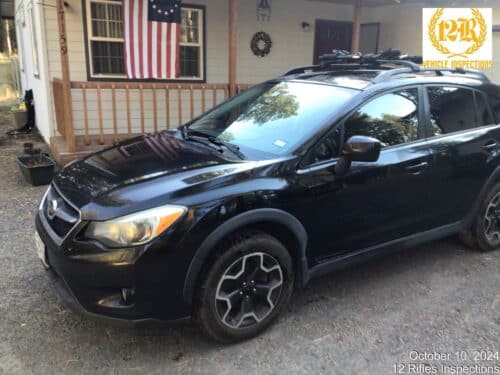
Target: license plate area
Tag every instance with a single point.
(41, 250)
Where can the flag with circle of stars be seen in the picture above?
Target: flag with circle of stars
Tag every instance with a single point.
(152, 38)
(164, 11)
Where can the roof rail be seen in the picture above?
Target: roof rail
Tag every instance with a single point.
(388, 74)
(340, 60)
(409, 64)
(301, 69)
(468, 72)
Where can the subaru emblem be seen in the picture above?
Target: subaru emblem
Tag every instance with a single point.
(52, 209)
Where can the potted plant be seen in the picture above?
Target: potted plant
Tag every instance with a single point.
(37, 169)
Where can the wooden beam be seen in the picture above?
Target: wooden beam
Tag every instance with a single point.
(66, 80)
(356, 27)
(233, 14)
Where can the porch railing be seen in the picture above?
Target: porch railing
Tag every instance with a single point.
(105, 112)
(58, 91)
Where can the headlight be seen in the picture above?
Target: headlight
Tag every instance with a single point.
(135, 229)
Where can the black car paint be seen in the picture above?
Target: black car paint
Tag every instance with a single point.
(327, 221)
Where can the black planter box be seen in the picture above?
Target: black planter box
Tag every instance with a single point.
(40, 173)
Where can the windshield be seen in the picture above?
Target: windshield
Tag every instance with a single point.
(273, 117)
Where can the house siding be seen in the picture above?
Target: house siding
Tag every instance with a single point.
(401, 28)
(39, 84)
(292, 46)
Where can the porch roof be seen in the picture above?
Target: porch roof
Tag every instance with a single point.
(375, 3)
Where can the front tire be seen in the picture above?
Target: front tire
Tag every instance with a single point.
(485, 232)
(245, 288)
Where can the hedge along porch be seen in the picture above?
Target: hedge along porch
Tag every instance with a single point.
(93, 110)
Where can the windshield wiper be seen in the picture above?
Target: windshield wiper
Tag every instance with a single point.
(189, 134)
(233, 148)
(184, 132)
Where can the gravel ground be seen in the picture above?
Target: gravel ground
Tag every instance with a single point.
(440, 297)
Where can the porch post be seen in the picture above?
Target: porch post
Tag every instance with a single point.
(356, 30)
(233, 14)
(66, 81)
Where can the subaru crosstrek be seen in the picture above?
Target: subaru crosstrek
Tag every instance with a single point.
(220, 219)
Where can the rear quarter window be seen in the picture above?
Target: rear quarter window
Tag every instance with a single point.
(494, 101)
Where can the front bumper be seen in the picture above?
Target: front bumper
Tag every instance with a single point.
(90, 281)
(71, 302)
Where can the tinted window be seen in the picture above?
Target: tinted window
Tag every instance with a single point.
(391, 118)
(452, 109)
(327, 149)
(482, 112)
(495, 106)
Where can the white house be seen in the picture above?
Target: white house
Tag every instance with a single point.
(71, 55)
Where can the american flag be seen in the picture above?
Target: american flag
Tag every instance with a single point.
(152, 33)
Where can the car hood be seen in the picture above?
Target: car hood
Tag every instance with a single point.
(137, 160)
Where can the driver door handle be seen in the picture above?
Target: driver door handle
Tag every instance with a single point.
(490, 146)
(417, 168)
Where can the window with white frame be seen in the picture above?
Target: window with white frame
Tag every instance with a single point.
(34, 45)
(191, 43)
(106, 38)
(106, 41)
(19, 30)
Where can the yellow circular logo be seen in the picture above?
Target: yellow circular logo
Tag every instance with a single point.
(470, 31)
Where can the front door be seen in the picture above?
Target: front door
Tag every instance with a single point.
(337, 35)
(330, 35)
(372, 203)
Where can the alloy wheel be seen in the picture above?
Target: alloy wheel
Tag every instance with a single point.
(492, 220)
(248, 290)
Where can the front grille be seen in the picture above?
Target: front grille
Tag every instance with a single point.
(60, 215)
(61, 227)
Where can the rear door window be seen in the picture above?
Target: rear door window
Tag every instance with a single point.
(452, 109)
(483, 114)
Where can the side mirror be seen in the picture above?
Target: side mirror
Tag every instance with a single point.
(361, 148)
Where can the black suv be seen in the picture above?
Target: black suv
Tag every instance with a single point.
(221, 219)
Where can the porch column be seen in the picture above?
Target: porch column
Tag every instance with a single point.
(356, 29)
(233, 14)
(66, 81)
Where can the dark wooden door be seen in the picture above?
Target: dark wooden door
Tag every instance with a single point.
(330, 35)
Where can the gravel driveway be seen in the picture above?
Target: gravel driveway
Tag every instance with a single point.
(439, 297)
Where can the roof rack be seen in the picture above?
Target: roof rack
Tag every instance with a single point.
(402, 64)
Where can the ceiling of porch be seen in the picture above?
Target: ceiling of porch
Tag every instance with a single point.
(374, 3)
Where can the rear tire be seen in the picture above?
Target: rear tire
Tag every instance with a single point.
(485, 232)
(245, 288)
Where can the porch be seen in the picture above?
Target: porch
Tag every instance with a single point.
(103, 113)
(90, 115)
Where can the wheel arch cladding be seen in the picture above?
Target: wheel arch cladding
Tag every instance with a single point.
(277, 223)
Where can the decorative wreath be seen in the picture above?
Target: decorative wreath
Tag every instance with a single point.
(443, 49)
(261, 44)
